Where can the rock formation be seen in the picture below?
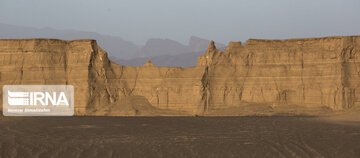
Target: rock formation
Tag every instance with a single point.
(309, 73)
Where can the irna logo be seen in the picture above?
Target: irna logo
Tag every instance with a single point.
(38, 100)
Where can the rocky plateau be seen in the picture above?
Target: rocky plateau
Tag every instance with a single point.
(263, 77)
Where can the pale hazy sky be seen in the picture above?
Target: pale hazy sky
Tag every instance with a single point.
(220, 20)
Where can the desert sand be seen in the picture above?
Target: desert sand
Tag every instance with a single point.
(249, 136)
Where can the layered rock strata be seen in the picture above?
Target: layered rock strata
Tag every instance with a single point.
(311, 73)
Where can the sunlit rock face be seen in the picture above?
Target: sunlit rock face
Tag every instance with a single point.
(79, 63)
(307, 72)
(311, 73)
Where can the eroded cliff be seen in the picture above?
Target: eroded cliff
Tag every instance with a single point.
(275, 74)
(306, 72)
(79, 63)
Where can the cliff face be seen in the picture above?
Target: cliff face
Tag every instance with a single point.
(306, 72)
(52, 62)
(312, 73)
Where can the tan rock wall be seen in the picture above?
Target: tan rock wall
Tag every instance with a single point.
(307, 72)
(54, 62)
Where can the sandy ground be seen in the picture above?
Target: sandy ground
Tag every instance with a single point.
(349, 118)
(253, 136)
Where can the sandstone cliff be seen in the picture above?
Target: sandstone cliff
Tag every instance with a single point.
(307, 72)
(45, 61)
(266, 75)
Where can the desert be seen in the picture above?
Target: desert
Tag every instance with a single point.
(265, 98)
(180, 79)
(246, 136)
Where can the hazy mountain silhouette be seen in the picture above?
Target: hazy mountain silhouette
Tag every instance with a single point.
(163, 52)
(155, 47)
(114, 45)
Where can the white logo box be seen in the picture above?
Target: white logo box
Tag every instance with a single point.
(38, 100)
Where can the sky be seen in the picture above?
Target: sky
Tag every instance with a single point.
(219, 20)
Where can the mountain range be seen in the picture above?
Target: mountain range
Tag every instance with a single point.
(170, 53)
(163, 52)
